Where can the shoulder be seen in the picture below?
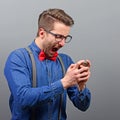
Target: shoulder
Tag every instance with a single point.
(18, 55)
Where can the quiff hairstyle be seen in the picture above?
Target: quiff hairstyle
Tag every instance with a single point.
(48, 17)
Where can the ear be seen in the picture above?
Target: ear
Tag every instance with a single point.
(41, 32)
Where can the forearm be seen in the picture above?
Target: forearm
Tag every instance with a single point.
(32, 96)
(84, 99)
(80, 99)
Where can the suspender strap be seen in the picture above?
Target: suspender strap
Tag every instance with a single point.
(33, 115)
(61, 96)
(34, 81)
(62, 64)
(33, 66)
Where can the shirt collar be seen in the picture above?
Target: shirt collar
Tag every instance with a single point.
(34, 47)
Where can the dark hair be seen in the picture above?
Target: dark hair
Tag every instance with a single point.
(48, 17)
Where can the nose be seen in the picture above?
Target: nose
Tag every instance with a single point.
(62, 42)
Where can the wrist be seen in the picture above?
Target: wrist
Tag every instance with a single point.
(81, 86)
(65, 86)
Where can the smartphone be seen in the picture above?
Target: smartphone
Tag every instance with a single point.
(85, 63)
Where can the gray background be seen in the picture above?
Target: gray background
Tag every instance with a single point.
(96, 36)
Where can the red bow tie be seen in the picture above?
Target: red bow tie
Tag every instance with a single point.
(42, 56)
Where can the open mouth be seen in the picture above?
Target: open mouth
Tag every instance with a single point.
(54, 49)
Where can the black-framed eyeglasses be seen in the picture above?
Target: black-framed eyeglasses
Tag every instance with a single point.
(59, 37)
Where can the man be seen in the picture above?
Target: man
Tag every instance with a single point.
(53, 32)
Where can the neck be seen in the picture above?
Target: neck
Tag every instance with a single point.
(38, 42)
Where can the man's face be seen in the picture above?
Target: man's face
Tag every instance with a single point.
(53, 43)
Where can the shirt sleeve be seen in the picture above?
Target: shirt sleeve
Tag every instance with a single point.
(80, 99)
(17, 73)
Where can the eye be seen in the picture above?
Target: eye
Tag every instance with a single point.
(58, 36)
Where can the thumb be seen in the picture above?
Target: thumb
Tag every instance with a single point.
(74, 66)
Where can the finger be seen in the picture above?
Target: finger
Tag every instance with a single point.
(72, 65)
(83, 69)
(84, 74)
(84, 79)
(77, 66)
(80, 62)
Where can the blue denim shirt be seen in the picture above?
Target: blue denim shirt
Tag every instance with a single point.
(46, 96)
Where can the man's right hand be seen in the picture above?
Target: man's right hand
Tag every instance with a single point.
(71, 76)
